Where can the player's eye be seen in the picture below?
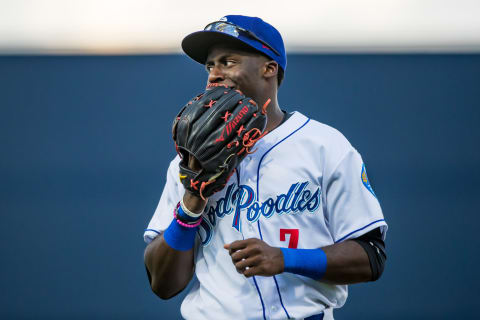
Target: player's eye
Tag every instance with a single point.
(208, 67)
(230, 63)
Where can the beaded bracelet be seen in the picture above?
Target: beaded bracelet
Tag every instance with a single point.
(183, 224)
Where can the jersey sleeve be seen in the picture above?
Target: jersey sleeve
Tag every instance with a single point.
(171, 195)
(352, 208)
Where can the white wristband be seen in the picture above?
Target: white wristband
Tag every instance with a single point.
(188, 212)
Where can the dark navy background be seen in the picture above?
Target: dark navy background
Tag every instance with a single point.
(85, 143)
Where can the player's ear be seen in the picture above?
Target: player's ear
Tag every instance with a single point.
(270, 69)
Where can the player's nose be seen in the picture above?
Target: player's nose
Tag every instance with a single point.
(216, 75)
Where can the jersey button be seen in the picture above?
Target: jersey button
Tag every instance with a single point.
(274, 308)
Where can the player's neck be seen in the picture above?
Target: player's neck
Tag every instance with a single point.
(274, 115)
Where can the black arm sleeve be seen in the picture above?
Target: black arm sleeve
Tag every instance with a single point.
(373, 244)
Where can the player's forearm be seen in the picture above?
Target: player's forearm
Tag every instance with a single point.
(169, 258)
(170, 270)
(347, 263)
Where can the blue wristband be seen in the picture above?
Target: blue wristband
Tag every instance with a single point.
(311, 263)
(179, 237)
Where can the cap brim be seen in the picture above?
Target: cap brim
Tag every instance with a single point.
(198, 44)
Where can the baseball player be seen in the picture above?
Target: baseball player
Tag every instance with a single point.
(282, 226)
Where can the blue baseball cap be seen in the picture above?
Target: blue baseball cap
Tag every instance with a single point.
(252, 31)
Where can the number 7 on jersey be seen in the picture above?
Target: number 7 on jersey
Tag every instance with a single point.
(293, 241)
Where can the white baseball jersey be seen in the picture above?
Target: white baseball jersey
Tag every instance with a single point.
(304, 187)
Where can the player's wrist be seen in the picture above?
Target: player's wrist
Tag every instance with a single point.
(180, 237)
(180, 234)
(311, 263)
(184, 215)
(193, 203)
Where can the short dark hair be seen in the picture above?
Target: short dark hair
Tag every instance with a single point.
(280, 75)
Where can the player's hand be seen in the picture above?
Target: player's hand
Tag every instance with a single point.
(193, 202)
(193, 163)
(253, 257)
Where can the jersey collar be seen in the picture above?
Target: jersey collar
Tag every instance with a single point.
(295, 121)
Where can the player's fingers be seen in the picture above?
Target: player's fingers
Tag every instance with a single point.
(252, 271)
(239, 255)
(243, 264)
(237, 245)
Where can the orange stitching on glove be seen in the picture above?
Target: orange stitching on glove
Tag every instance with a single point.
(225, 117)
(233, 142)
(202, 187)
(212, 85)
(210, 104)
(193, 184)
(239, 131)
(264, 108)
(249, 142)
(198, 97)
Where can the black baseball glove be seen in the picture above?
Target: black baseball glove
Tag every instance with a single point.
(218, 128)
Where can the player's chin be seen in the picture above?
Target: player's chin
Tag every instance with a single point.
(243, 91)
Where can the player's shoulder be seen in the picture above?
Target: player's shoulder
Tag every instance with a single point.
(175, 161)
(173, 166)
(327, 131)
(321, 134)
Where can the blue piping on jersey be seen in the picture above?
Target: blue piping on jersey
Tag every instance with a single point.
(274, 278)
(258, 189)
(153, 231)
(280, 296)
(260, 295)
(343, 238)
(254, 280)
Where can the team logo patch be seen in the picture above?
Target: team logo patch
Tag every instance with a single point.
(365, 181)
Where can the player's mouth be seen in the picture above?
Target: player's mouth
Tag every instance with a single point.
(230, 84)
